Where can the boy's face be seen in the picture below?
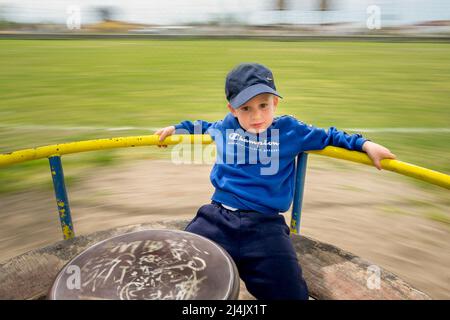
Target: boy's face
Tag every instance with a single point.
(256, 115)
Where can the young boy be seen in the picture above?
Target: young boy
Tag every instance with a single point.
(250, 191)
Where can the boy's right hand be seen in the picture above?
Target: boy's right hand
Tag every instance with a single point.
(163, 133)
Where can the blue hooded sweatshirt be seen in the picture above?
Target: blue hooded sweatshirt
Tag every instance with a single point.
(256, 171)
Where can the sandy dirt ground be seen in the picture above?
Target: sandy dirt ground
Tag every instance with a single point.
(379, 216)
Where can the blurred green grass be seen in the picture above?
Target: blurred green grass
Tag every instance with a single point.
(155, 83)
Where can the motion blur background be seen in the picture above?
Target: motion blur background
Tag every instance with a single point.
(77, 70)
(404, 14)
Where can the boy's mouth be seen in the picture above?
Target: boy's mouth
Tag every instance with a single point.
(258, 125)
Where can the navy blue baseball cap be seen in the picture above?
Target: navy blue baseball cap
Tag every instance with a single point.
(246, 81)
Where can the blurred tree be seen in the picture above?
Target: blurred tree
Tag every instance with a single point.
(105, 13)
(324, 5)
(2, 10)
(280, 5)
(4, 22)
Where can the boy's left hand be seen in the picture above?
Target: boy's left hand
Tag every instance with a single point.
(377, 153)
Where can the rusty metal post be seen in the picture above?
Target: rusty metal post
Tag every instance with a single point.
(61, 197)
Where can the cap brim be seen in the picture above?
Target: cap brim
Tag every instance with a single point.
(249, 93)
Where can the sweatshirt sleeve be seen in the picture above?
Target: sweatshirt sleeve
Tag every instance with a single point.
(313, 138)
(196, 127)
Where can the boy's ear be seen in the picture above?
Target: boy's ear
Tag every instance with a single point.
(232, 110)
(275, 102)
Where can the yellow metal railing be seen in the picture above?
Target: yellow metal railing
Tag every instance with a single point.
(54, 153)
(407, 169)
(404, 168)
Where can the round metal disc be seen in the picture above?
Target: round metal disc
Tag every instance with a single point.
(149, 265)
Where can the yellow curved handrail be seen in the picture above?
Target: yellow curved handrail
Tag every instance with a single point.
(404, 168)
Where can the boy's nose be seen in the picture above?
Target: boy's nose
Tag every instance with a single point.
(257, 115)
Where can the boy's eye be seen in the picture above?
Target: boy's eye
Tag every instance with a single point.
(244, 108)
(264, 105)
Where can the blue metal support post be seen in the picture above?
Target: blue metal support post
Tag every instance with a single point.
(61, 197)
(300, 173)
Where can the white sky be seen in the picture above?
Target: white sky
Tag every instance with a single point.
(251, 11)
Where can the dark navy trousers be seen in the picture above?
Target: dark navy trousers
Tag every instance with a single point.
(259, 245)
